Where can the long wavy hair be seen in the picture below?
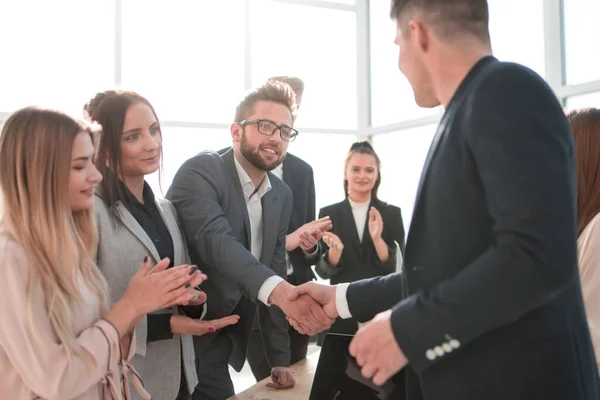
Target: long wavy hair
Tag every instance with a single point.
(60, 244)
(585, 124)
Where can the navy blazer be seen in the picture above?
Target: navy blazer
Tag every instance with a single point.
(491, 305)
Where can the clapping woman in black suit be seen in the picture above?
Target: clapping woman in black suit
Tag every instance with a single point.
(362, 242)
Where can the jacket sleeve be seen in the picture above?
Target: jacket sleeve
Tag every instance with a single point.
(393, 222)
(32, 349)
(323, 268)
(196, 191)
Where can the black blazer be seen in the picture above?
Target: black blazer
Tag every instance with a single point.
(359, 260)
(299, 177)
(492, 303)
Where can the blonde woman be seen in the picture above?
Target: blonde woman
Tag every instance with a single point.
(58, 339)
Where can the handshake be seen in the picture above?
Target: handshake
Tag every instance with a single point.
(309, 308)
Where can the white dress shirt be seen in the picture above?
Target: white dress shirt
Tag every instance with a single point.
(253, 196)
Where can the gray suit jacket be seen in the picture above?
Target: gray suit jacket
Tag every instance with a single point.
(208, 196)
(122, 247)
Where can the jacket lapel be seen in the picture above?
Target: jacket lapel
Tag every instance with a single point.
(348, 226)
(230, 163)
(271, 211)
(437, 138)
(130, 223)
(288, 166)
(174, 231)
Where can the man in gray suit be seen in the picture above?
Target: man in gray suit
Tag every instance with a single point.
(235, 215)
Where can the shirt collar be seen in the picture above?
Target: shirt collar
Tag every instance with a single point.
(147, 195)
(247, 184)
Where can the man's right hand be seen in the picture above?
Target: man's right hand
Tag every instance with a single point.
(308, 315)
(308, 234)
(322, 294)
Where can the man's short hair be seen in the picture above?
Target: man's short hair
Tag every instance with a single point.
(449, 19)
(273, 91)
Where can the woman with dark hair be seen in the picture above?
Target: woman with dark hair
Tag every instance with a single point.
(585, 124)
(133, 223)
(366, 231)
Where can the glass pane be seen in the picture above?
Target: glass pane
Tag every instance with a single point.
(326, 154)
(181, 144)
(392, 98)
(315, 44)
(402, 157)
(584, 101)
(170, 55)
(510, 43)
(56, 53)
(581, 38)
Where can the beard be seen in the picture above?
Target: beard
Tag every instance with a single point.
(254, 157)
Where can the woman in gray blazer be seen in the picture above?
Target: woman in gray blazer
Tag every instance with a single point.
(132, 224)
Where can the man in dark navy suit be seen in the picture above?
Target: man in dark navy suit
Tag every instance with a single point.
(489, 303)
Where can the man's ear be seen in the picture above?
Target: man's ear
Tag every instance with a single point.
(236, 132)
(421, 34)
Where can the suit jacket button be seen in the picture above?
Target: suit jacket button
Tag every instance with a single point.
(231, 303)
(438, 351)
(454, 343)
(430, 354)
(447, 348)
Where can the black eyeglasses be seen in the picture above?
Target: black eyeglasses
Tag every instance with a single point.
(269, 128)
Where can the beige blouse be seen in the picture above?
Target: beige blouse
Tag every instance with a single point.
(588, 246)
(33, 365)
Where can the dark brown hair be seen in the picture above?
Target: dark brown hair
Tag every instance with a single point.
(364, 148)
(109, 109)
(585, 124)
(272, 90)
(448, 18)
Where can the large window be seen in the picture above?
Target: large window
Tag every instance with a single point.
(326, 154)
(517, 32)
(584, 101)
(316, 44)
(193, 59)
(180, 144)
(402, 157)
(581, 40)
(172, 56)
(392, 98)
(55, 53)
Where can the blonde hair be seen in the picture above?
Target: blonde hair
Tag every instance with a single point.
(35, 165)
